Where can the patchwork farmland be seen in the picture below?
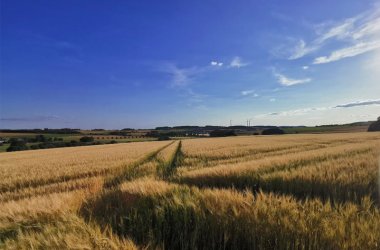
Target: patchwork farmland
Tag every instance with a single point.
(315, 191)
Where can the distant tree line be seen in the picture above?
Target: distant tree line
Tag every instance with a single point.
(43, 131)
(228, 132)
(273, 131)
(119, 133)
(160, 136)
(19, 144)
(174, 133)
(157, 134)
(37, 138)
(222, 133)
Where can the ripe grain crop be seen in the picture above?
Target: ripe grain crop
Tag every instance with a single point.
(64, 231)
(245, 192)
(179, 217)
(345, 172)
(34, 168)
(41, 187)
(216, 151)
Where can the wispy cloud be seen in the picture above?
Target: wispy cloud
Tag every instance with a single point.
(249, 92)
(180, 77)
(297, 112)
(301, 49)
(358, 103)
(194, 99)
(338, 30)
(38, 118)
(351, 51)
(294, 112)
(237, 62)
(286, 81)
(356, 35)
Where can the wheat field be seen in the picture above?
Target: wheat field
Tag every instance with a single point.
(316, 191)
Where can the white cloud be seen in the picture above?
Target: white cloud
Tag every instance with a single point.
(294, 112)
(354, 50)
(272, 99)
(247, 92)
(356, 35)
(339, 31)
(297, 112)
(286, 81)
(184, 76)
(237, 63)
(180, 77)
(301, 49)
(359, 103)
(305, 67)
(369, 26)
(216, 63)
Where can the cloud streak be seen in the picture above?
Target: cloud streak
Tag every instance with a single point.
(359, 103)
(296, 112)
(286, 81)
(180, 77)
(237, 62)
(356, 35)
(301, 50)
(354, 50)
(247, 92)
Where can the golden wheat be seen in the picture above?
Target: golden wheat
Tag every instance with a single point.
(290, 192)
(179, 217)
(33, 168)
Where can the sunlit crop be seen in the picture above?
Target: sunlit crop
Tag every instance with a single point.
(251, 192)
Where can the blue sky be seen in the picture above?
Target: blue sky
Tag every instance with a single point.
(141, 64)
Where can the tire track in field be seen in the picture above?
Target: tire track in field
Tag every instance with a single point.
(132, 171)
(167, 169)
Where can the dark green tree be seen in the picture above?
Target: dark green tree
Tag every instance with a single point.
(86, 139)
(17, 145)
